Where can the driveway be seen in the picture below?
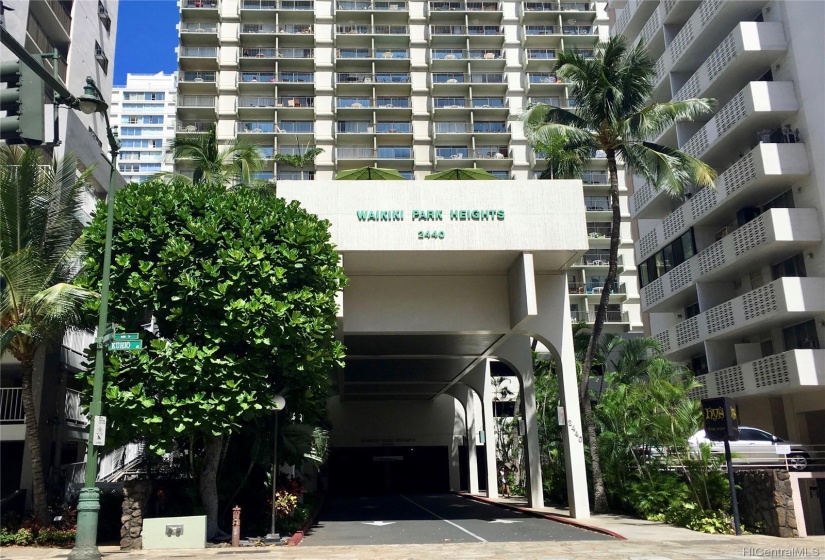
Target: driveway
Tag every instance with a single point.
(431, 519)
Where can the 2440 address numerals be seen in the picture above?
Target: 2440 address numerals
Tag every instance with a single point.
(430, 235)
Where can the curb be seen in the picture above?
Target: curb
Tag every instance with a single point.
(547, 516)
(298, 536)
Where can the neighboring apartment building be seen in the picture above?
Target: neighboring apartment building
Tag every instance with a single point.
(83, 34)
(144, 112)
(419, 86)
(733, 277)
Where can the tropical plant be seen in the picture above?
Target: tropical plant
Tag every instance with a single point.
(230, 165)
(40, 250)
(241, 287)
(304, 159)
(613, 114)
(562, 161)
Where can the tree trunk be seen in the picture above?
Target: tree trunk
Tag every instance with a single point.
(39, 501)
(599, 496)
(208, 484)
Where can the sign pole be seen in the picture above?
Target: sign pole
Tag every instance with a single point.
(732, 481)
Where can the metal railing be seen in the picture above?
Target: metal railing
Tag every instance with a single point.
(350, 53)
(197, 77)
(372, 29)
(462, 54)
(199, 27)
(278, 5)
(492, 152)
(459, 78)
(598, 260)
(541, 54)
(72, 409)
(11, 404)
(378, 6)
(595, 178)
(557, 6)
(255, 127)
(596, 203)
(184, 126)
(598, 232)
(590, 316)
(287, 77)
(440, 6)
(212, 4)
(466, 30)
(452, 153)
(543, 78)
(298, 53)
(296, 175)
(541, 30)
(200, 52)
(196, 101)
(452, 128)
(368, 78)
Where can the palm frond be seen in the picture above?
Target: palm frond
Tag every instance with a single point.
(667, 168)
(653, 119)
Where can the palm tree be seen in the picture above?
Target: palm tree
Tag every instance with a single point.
(613, 114)
(305, 159)
(562, 161)
(231, 165)
(40, 251)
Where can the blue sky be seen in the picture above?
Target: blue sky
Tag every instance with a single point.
(146, 38)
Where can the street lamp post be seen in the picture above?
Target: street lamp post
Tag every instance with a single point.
(85, 547)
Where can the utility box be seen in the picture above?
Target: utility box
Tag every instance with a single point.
(174, 532)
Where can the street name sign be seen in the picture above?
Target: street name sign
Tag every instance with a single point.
(120, 337)
(126, 345)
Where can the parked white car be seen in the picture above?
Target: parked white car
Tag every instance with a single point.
(757, 448)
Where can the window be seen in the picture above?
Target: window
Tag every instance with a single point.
(791, 267)
(504, 409)
(801, 337)
(101, 58)
(699, 364)
(750, 434)
(671, 256)
(784, 200)
(692, 310)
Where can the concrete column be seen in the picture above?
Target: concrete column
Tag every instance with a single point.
(472, 436)
(516, 352)
(455, 474)
(479, 379)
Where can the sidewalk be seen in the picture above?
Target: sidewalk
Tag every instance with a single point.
(643, 540)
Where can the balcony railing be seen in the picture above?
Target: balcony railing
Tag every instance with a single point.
(201, 52)
(72, 409)
(543, 78)
(557, 6)
(255, 127)
(593, 288)
(368, 78)
(367, 103)
(598, 260)
(541, 30)
(286, 77)
(296, 175)
(189, 126)
(295, 127)
(465, 6)
(595, 178)
(461, 54)
(11, 404)
(278, 5)
(598, 232)
(385, 152)
(597, 203)
(196, 101)
(199, 27)
(247, 102)
(492, 152)
(452, 153)
(211, 4)
(376, 6)
(277, 53)
(373, 53)
(590, 317)
(541, 54)
(455, 78)
(466, 30)
(372, 29)
(198, 77)
(452, 128)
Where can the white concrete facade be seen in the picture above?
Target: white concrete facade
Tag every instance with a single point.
(418, 86)
(734, 276)
(424, 316)
(144, 112)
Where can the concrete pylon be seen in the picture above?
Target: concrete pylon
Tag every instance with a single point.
(468, 399)
(481, 382)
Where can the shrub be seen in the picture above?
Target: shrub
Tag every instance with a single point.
(60, 538)
(6, 537)
(294, 520)
(24, 537)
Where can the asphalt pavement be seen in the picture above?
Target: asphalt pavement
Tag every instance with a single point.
(431, 519)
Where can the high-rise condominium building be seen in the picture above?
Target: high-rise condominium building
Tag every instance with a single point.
(733, 277)
(418, 86)
(83, 34)
(144, 112)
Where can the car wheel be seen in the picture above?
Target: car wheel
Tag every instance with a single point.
(798, 461)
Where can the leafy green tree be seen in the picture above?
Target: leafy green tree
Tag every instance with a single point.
(240, 287)
(563, 160)
(40, 244)
(613, 114)
(230, 165)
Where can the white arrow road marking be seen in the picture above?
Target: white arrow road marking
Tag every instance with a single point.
(447, 520)
(379, 523)
(505, 521)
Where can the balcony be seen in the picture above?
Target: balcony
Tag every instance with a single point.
(778, 233)
(384, 54)
(697, 38)
(194, 127)
(11, 405)
(759, 106)
(453, 81)
(466, 30)
(794, 371)
(198, 58)
(283, 53)
(598, 263)
(634, 15)
(287, 5)
(761, 175)
(543, 83)
(783, 301)
(593, 290)
(371, 6)
(197, 107)
(367, 153)
(595, 178)
(399, 80)
(461, 55)
(590, 317)
(250, 78)
(360, 29)
(453, 6)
